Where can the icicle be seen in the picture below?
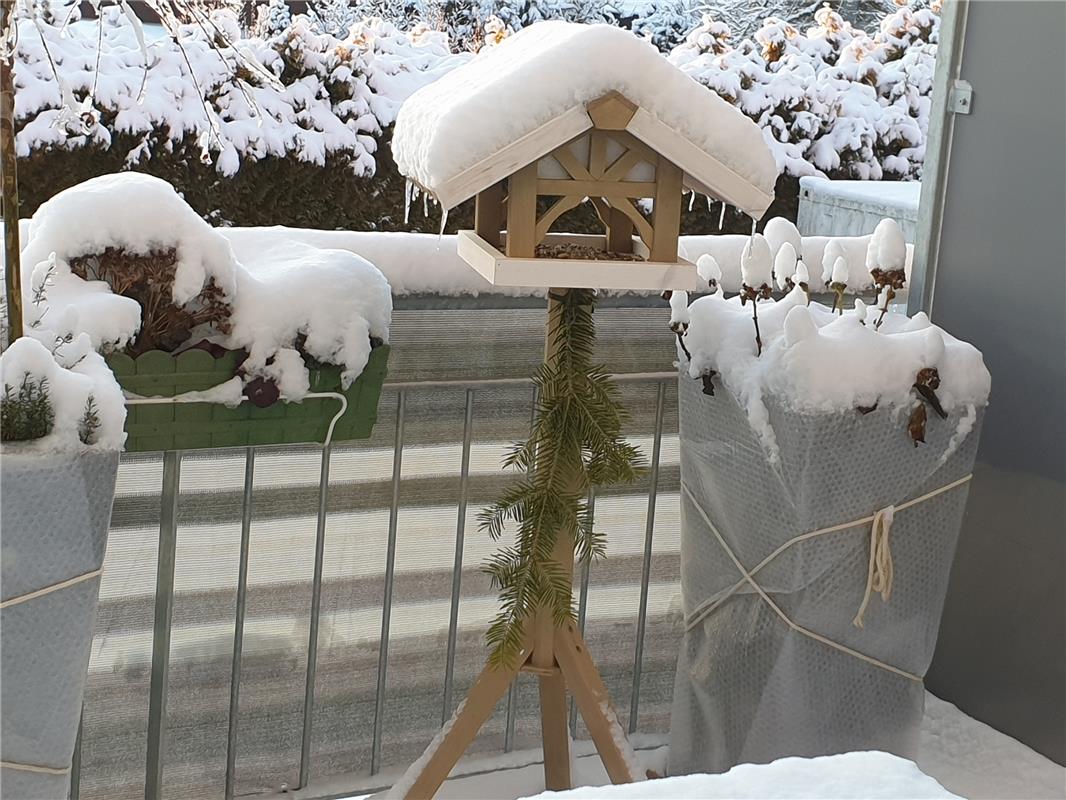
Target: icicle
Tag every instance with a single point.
(443, 222)
(425, 204)
(721, 217)
(407, 195)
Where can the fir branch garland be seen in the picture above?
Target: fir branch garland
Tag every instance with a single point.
(576, 443)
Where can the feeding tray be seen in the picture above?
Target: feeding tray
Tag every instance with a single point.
(190, 426)
(564, 267)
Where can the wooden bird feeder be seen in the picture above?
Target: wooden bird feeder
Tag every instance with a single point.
(614, 155)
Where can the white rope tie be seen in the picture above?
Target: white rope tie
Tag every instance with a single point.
(55, 587)
(25, 598)
(880, 572)
(879, 578)
(34, 768)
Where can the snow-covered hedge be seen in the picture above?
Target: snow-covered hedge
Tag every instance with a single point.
(297, 106)
(298, 93)
(831, 100)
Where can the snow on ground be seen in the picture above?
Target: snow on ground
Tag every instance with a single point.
(546, 70)
(978, 762)
(965, 756)
(873, 776)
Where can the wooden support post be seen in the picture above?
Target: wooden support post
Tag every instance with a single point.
(554, 720)
(9, 184)
(522, 212)
(557, 656)
(666, 213)
(445, 750)
(554, 715)
(594, 703)
(488, 213)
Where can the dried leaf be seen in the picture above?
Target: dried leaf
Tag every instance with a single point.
(916, 424)
(149, 279)
(929, 376)
(926, 383)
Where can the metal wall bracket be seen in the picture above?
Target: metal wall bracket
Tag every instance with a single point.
(961, 101)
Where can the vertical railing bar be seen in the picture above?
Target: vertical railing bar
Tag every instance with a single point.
(390, 572)
(583, 595)
(457, 570)
(583, 601)
(316, 614)
(164, 610)
(512, 712)
(512, 691)
(645, 573)
(75, 763)
(238, 621)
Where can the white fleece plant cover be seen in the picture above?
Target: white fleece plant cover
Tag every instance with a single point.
(781, 450)
(544, 71)
(55, 518)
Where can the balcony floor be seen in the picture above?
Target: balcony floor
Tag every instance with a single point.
(966, 756)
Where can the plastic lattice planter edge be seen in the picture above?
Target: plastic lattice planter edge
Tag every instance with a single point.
(190, 426)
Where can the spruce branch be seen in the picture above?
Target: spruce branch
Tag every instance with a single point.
(576, 443)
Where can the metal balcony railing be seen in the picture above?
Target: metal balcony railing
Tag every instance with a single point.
(196, 691)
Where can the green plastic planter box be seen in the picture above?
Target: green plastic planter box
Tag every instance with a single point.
(190, 426)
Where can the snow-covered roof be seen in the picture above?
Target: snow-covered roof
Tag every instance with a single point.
(523, 98)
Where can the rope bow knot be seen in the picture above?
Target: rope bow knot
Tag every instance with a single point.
(880, 572)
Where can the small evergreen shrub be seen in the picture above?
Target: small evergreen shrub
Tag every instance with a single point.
(26, 412)
(89, 424)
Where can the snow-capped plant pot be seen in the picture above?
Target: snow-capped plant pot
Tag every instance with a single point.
(188, 426)
(124, 260)
(62, 433)
(817, 531)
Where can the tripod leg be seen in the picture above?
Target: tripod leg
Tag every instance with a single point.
(555, 732)
(424, 777)
(595, 705)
